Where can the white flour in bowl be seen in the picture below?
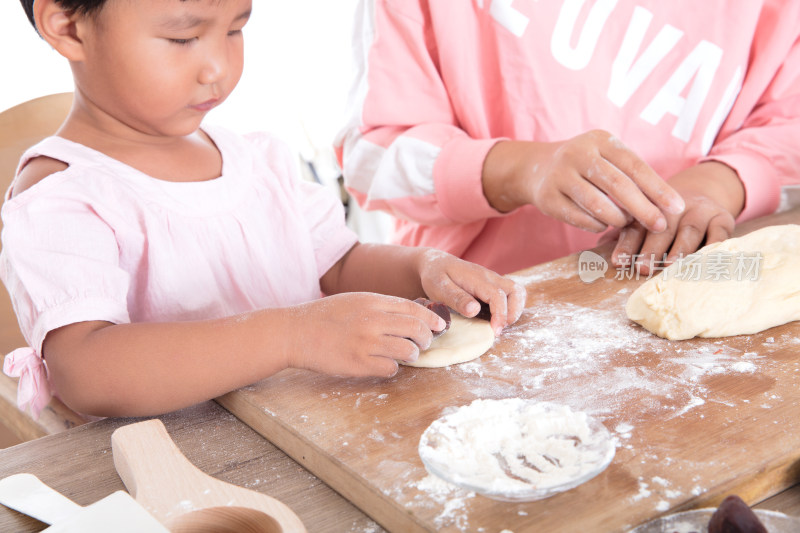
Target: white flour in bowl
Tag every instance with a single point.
(516, 450)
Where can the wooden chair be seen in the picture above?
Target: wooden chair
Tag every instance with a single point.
(21, 127)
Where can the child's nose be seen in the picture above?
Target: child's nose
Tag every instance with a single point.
(215, 67)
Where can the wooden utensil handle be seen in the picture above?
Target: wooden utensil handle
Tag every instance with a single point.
(183, 497)
(145, 455)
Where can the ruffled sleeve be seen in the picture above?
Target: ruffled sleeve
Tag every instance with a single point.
(60, 264)
(33, 390)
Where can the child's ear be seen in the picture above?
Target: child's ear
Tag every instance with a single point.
(59, 28)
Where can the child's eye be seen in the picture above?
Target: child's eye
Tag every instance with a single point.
(234, 32)
(182, 41)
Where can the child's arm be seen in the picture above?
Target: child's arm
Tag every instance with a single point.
(105, 369)
(415, 272)
(376, 329)
(138, 369)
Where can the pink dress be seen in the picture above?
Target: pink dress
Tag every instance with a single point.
(103, 241)
(679, 82)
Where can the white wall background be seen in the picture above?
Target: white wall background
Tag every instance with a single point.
(295, 83)
(296, 79)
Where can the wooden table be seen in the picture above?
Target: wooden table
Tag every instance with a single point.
(695, 420)
(79, 464)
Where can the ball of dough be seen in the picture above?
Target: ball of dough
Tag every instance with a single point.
(736, 287)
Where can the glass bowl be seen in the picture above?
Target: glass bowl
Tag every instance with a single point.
(516, 449)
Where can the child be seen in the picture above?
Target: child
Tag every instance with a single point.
(154, 263)
(483, 125)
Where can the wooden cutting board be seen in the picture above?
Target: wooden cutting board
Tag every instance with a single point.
(695, 420)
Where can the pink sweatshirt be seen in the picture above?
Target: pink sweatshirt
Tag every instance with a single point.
(440, 82)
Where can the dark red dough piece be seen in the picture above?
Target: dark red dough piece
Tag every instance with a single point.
(438, 308)
(485, 313)
(735, 516)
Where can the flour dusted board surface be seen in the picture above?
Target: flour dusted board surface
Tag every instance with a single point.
(694, 420)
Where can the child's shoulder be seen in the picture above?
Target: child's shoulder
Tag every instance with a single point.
(50, 156)
(35, 171)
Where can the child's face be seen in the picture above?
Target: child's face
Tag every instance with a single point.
(158, 66)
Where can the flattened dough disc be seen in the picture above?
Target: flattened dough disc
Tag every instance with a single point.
(467, 339)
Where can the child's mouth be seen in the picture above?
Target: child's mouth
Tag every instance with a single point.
(205, 106)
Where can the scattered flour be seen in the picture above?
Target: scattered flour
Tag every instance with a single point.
(661, 481)
(624, 430)
(470, 367)
(693, 402)
(453, 499)
(437, 488)
(644, 491)
(562, 350)
(544, 274)
(744, 367)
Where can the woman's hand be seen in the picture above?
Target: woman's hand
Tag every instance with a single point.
(591, 181)
(714, 196)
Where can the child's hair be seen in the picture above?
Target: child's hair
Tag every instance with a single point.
(84, 7)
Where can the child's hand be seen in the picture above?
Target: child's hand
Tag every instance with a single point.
(714, 196)
(360, 334)
(459, 284)
(591, 181)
